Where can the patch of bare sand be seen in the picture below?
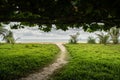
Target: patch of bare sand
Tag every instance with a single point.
(49, 70)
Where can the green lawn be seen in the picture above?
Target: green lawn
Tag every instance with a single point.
(91, 62)
(21, 59)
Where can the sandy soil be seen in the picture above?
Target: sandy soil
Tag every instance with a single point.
(49, 70)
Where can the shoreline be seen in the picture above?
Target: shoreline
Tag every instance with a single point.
(44, 42)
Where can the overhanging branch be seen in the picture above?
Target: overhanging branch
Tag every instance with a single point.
(69, 20)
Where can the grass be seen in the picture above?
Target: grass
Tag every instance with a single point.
(21, 59)
(91, 62)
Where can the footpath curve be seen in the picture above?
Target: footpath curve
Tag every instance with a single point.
(49, 70)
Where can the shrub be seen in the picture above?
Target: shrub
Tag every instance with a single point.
(114, 34)
(103, 38)
(9, 38)
(91, 40)
(73, 39)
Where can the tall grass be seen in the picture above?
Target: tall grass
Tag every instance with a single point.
(21, 59)
(91, 62)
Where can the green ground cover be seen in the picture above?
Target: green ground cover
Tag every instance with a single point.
(91, 62)
(21, 59)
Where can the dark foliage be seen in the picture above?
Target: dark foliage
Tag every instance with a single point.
(70, 13)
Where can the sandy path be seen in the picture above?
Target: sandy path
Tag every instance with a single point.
(47, 71)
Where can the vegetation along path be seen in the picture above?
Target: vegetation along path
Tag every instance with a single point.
(47, 71)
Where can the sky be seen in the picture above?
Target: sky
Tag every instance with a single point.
(32, 34)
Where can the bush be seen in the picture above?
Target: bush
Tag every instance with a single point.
(103, 38)
(114, 34)
(73, 39)
(9, 37)
(91, 40)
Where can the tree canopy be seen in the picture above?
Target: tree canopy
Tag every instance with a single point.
(62, 13)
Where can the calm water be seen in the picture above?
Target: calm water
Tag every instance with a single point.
(48, 40)
(32, 34)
